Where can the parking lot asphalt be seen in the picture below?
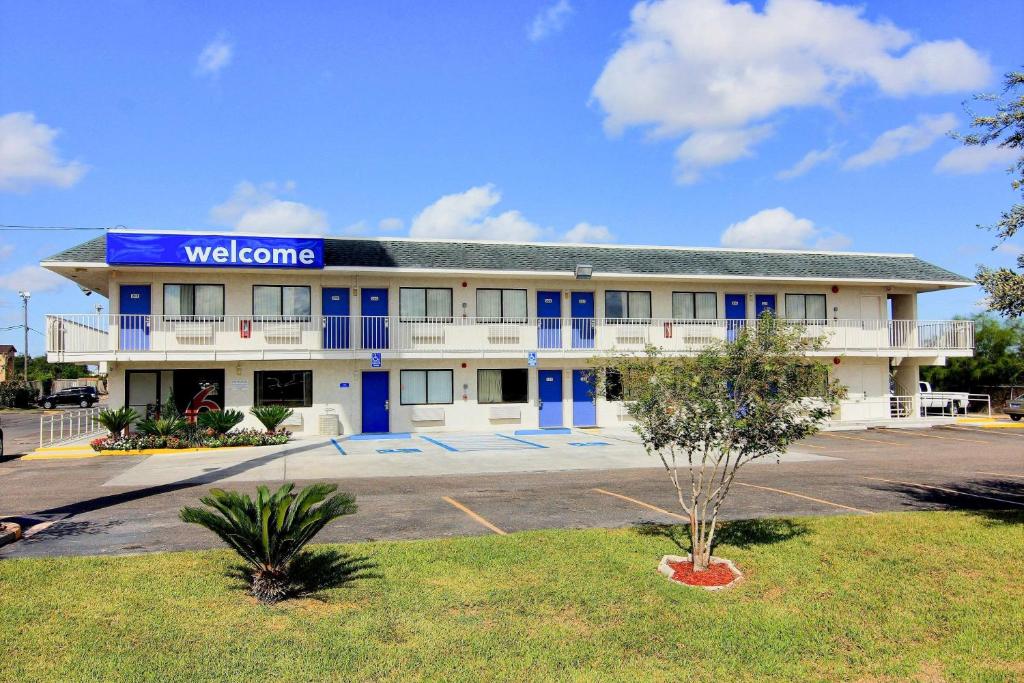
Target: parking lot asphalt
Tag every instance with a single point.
(128, 504)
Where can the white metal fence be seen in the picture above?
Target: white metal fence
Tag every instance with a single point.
(87, 333)
(68, 425)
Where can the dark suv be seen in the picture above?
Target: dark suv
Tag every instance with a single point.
(84, 397)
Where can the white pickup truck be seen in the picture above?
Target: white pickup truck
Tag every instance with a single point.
(950, 402)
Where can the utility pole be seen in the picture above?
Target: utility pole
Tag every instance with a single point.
(25, 296)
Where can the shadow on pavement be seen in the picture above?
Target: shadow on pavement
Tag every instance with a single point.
(742, 533)
(101, 502)
(997, 499)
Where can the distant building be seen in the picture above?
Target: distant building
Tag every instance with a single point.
(7, 354)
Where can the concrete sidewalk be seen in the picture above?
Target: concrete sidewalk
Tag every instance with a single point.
(437, 454)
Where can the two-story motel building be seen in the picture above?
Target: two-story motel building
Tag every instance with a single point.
(394, 335)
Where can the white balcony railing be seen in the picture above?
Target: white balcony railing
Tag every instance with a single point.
(116, 334)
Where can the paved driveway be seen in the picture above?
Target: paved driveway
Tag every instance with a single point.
(485, 483)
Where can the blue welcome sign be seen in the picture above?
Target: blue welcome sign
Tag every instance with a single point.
(217, 251)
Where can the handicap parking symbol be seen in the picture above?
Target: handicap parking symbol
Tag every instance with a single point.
(375, 360)
(531, 359)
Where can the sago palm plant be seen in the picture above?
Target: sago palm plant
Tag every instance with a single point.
(270, 531)
(271, 416)
(162, 426)
(116, 420)
(220, 421)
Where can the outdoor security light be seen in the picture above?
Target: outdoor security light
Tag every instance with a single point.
(584, 272)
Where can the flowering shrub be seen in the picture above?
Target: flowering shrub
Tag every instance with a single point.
(242, 437)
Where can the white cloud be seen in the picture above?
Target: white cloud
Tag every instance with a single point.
(813, 158)
(28, 156)
(693, 66)
(215, 56)
(391, 224)
(709, 148)
(585, 232)
(899, 142)
(549, 20)
(32, 279)
(258, 209)
(778, 228)
(465, 215)
(976, 159)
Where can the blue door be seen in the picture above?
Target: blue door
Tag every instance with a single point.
(735, 314)
(374, 310)
(550, 392)
(764, 302)
(135, 310)
(376, 404)
(549, 320)
(582, 311)
(584, 406)
(335, 310)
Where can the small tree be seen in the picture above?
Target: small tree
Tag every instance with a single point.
(707, 416)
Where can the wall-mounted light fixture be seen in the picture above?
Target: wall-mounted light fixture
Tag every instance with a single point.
(584, 272)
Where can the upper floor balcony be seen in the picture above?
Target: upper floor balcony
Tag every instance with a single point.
(102, 337)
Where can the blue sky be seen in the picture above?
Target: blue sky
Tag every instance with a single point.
(670, 122)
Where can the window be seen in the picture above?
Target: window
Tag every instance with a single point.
(420, 303)
(806, 307)
(290, 388)
(502, 386)
(694, 305)
(420, 387)
(206, 301)
(624, 307)
(613, 385)
(280, 301)
(501, 305)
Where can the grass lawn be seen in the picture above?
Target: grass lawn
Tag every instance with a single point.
(909, 596)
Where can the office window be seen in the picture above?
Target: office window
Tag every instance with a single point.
(502, 386)
(806, 307)
(290, 388)
(280, 301)
(623, 307)
(194, 300)
(694, 305)
(419, 303)
(422, 387)
(501, 305)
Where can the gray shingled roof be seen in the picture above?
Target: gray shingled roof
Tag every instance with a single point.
(368, 253)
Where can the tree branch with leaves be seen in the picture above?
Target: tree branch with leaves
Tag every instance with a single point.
(1003, 127)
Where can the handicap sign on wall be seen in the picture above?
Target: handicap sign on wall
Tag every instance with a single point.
(375, 361)
(531, 359)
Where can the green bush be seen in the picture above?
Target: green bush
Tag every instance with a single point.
(116, 420)
(270, 532)
(191, 437)
(271, 416)
(221, 421)
(16, 394)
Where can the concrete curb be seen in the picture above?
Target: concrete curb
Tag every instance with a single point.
(666, 570)
(9, 532)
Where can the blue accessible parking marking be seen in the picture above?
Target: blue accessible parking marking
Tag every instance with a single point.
(399, 450)
(457, 443)
(589, 443)
(338, 446)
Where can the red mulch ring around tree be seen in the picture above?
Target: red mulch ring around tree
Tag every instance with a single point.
(714, 575)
